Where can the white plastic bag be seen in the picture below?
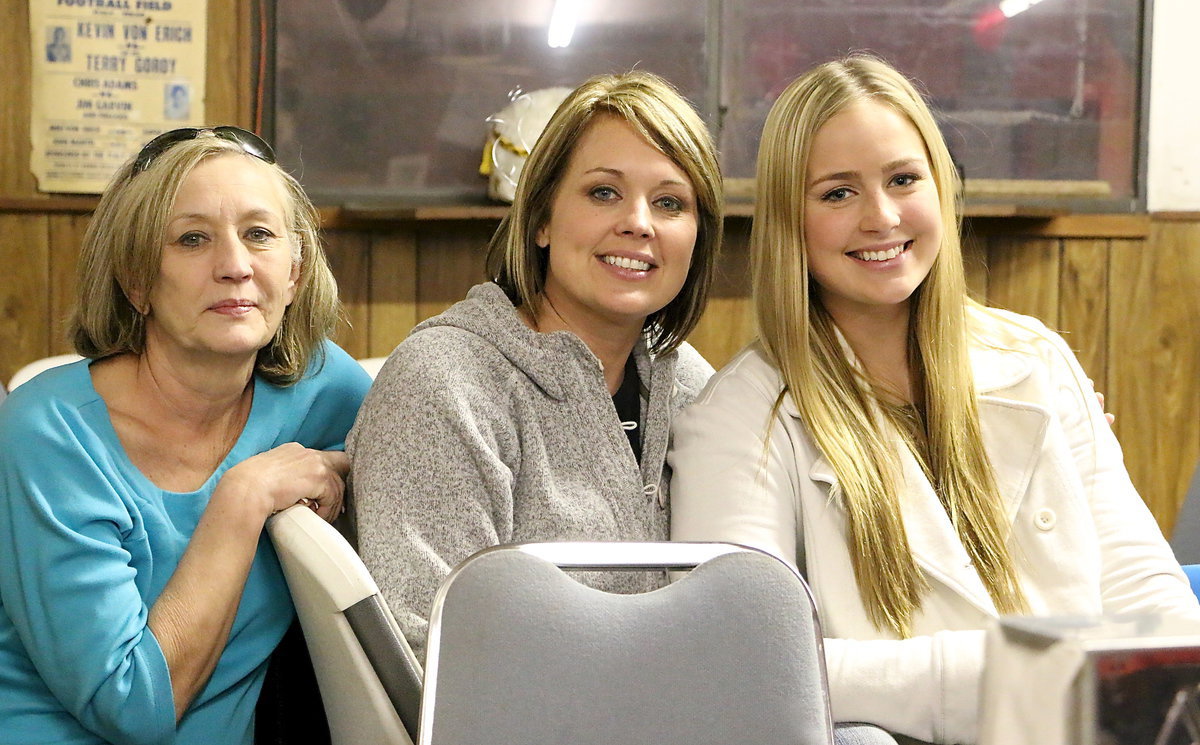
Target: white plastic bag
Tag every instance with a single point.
(511, 134)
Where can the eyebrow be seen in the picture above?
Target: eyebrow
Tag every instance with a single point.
(618, 172)
(264, 214)
(254, 214)
(847, 175)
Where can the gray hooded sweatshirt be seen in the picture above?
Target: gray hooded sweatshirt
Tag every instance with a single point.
(480, 431)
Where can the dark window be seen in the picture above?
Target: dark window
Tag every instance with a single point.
(389, 98)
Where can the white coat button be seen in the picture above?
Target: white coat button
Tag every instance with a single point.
(1044, 519)
(650, 490)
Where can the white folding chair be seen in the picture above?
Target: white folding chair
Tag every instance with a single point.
(372, 365)
(33, 368)
(520, 652)
(369, 678)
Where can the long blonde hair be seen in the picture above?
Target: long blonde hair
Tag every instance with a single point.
(838, 404)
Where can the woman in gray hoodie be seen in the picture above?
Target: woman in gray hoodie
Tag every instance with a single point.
(538, 408)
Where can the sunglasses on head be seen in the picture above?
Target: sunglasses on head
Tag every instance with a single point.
(250, 143)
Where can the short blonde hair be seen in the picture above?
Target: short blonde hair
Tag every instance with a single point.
(668, 122)
(122, 253)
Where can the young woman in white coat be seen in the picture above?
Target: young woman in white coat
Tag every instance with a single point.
(927, 462)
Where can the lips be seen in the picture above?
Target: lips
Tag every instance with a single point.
(237, 305)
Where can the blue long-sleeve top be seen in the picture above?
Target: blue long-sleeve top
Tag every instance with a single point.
(87, 544)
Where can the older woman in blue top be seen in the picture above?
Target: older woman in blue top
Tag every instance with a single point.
(139, 599)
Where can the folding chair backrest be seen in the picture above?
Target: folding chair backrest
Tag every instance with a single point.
(519, 652)
(29, 371)
(369, 678)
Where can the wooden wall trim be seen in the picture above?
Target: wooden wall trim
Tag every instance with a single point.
(51, 205)
(1066, 226)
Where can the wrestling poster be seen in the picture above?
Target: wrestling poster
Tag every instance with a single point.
(108, 75)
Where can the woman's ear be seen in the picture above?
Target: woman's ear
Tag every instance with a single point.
(293, 282)
(138, 300)
(542, 237)
(297, 260)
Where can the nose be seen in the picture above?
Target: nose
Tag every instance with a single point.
(231, 259)
(637, 219)
(880, 213)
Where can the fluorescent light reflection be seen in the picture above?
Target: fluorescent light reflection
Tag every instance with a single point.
(1012, 7)
(562, 23)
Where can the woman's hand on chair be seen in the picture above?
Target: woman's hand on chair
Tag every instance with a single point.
(292, 474)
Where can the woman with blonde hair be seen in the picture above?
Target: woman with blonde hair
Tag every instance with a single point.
(927, 462)
(539, 407)
(139, 597)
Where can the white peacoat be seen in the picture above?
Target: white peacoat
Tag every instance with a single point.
(1084, 541)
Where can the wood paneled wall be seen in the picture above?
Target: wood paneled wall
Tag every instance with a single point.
(1129, 305)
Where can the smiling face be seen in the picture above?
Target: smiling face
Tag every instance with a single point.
(227, 271)
(872, 222)
(621, 232)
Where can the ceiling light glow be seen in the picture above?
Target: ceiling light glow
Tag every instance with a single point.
(1012, 7)
(562, 23)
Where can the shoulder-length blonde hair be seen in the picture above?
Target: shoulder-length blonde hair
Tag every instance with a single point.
(658, 113)
(839, 405)
(122, 253)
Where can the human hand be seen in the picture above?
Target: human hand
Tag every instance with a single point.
(293, 474)
(1100, 397)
